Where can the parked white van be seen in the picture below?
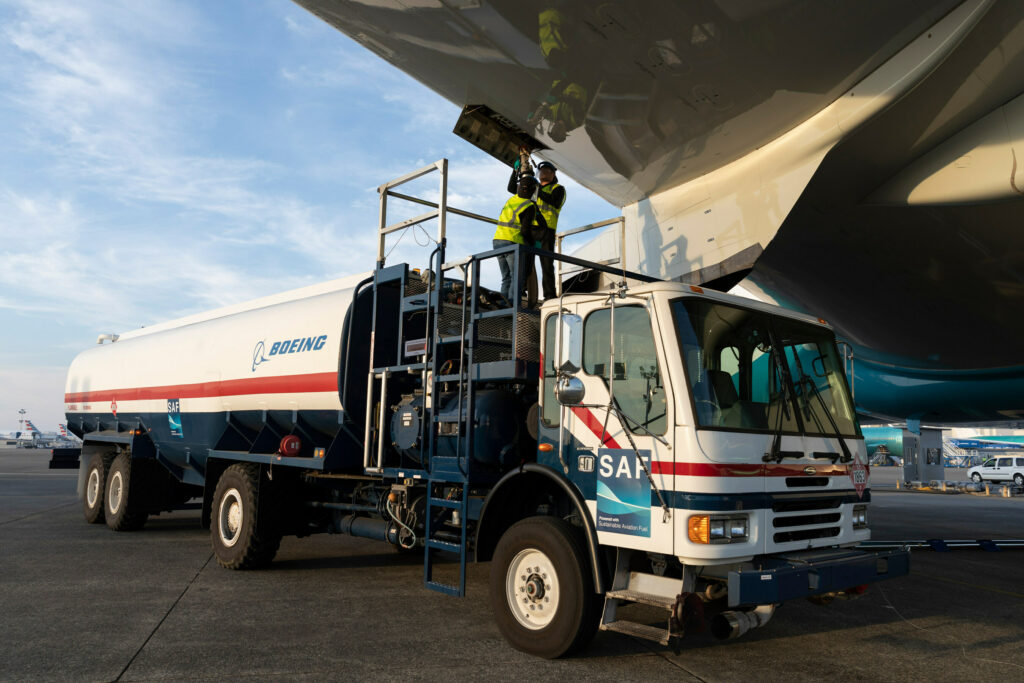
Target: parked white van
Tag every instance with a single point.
(999, 469)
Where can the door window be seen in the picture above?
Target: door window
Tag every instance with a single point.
(550, 413)
(631, 370)
(1005, 462)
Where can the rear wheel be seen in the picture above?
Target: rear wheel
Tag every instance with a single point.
(244, 533)
(542, 591)
(1018, 479)
(95, 487)
(976, 477)
(124, 497)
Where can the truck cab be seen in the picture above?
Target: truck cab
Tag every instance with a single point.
(739, 412)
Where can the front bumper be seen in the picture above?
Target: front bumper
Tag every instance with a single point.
(778, 578)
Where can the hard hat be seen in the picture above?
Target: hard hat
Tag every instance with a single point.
(547, 164)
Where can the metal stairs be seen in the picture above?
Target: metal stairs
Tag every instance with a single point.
(630, 587)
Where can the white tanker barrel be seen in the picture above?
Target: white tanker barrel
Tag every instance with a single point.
(273, 360)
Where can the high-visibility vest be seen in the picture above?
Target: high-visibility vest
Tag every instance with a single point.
(509, 227)
(551, 32)
(547, 209)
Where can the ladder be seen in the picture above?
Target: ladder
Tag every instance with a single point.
(448, 475)
(449, 480)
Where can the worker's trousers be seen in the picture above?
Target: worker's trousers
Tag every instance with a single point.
(507, 265)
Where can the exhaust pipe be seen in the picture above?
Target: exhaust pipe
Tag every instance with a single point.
(734, 624)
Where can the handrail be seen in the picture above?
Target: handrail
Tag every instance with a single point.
(441, 209)
(451, 209)
(588, 265)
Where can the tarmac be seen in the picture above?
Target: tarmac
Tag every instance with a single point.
(81, 602)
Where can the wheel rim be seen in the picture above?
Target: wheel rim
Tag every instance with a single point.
(976, 477)
(1018, 479)
(531, 589)
(114, 492)
(230, 518)
(92, 489)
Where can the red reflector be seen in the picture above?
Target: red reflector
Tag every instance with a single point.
(290, 446)
(858, 590)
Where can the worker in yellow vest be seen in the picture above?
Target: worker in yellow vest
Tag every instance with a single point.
(516, 225)
(550, 200)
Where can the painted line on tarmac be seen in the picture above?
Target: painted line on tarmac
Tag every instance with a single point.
(970, 585)
(160, 623)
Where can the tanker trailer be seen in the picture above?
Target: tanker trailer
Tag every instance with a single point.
(153, 402)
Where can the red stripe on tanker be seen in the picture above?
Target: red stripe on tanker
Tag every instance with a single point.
(282, 384)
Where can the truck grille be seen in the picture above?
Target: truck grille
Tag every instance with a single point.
(802, 520)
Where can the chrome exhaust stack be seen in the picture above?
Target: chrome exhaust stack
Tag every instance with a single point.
(734, 624)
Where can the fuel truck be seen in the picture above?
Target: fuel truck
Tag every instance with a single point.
(630, 441)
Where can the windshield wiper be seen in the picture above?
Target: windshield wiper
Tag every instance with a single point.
(776, 454)
(807, 385)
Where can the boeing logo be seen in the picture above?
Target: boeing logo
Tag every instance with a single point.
(260, 354)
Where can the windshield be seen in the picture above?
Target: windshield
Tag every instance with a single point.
(739, 380)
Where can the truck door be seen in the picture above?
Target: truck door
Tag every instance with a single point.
(622, 359)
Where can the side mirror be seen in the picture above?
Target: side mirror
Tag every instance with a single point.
(570, 391)
(570, 344)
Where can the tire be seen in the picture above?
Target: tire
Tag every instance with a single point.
(1018, 479)
(243, 530)
(544, 556)
(95, 488)
(976, 477)
(124, 496)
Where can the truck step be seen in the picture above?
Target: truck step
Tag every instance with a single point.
(447, 546)
(632, 628)
(643, 598)
(445, 588)
(445, 503)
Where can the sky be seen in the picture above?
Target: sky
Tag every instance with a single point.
(160, 158)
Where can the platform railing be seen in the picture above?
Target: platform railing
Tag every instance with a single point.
(559, 237)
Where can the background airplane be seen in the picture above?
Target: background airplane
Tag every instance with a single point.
(855, 159)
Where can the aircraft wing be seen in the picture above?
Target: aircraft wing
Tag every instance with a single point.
(634, 98)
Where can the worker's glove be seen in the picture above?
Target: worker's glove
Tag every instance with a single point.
(516, 165)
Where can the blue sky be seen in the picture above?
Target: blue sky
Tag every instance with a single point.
(162, 158)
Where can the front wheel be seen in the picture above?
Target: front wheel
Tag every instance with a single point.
(244, 534)
(541, 586)
(976, 477)
(1018, 479)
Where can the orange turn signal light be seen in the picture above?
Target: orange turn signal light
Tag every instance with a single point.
(545, 447)
(696, 290)
(699, 529)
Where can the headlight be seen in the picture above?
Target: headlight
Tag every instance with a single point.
(718, 528)
(738, 528)
(860, 516)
